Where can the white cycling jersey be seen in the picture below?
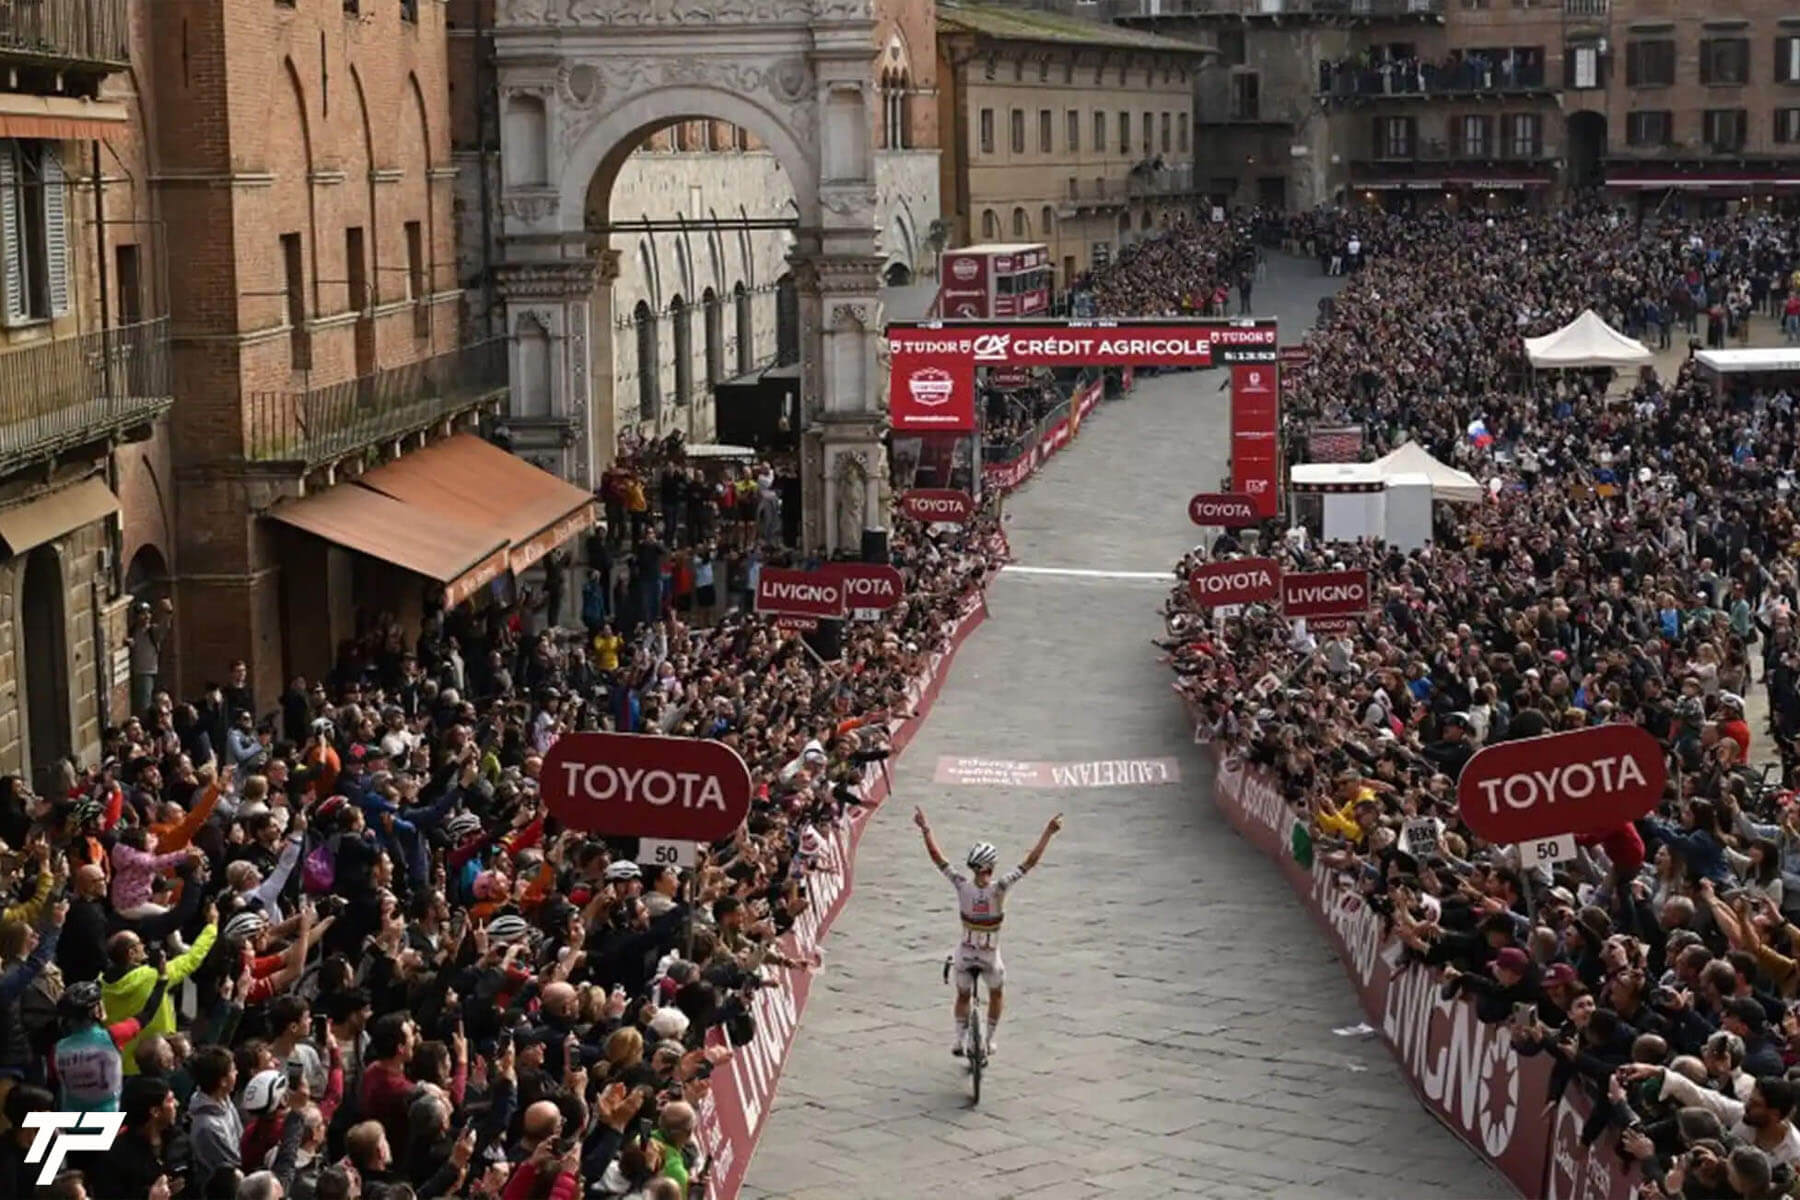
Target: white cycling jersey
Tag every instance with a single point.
(982, 908)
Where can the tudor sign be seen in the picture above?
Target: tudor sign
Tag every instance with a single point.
(1237, 581)
(1579, 782)
(937, 505)
(869, 585)
(641, 785)
(785, 592)
(1222, 508)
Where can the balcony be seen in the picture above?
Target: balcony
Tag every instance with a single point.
(329, 423)
(55, 396)
(1498, 151)
(63, 34)
(1160, 181)
(1349, 80)
(1594, 9)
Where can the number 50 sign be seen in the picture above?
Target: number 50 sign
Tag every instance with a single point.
(1549, 851)
(667, 852)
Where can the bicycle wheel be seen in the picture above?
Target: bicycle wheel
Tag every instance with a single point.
(977, 1054)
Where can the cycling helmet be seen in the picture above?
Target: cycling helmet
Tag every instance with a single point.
(983, 856)
(265, 1091)
(87, 808)
(462, 826)
(324, 729)
(507, 928)
(245, 925)
(622, 871)
(79, 999)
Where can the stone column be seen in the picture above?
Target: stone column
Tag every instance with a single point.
(570, 299)
(838, 271)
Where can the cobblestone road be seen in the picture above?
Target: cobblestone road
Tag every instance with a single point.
(1169, 1029)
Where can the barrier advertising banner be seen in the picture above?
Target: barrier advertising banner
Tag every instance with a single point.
(743, 1088)
(1463, 1070)
(1255, 437)
(929, 386)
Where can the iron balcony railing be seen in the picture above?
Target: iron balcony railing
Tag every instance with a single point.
(1161, 181)
(1585, 8)
(73, 390)
(1132, 10)
(327, 423)
(93, 31)
(1349, 78)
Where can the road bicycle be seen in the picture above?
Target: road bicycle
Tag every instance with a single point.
(975, 1050)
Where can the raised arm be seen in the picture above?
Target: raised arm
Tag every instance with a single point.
(931, 846)
(1043, 843)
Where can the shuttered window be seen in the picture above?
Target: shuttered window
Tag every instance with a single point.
(34, 233)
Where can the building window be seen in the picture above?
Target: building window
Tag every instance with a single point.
(787, 321)
(713, 314)
(1524, 135)
(1581, 66)
(987, 131)
(1726, 129)
(1149, 127)
(1787, 60)
(649, 370)
(990, 226)
(745, 320)
(1724, 61)
(34, 233)
(409, 11)
(1394, 137)
(1072, 131)
(1125, 135)
(1649, 127)
(356, 270)
(1231, 47)
(1181, 133)
(293, 269)
(1246, 96)
(418, 281)
(1100, 133)
(1047, 223)
(1167, 125)
(1044, 131)
(1475, 137)
(1787, 126)
(894, 115)
(1021, 225)
(1650, 63)
(1018, 131)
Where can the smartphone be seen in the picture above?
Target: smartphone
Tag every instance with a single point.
(1524, 1013)
(296, 1071)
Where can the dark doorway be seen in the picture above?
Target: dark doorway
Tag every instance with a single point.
(44, 640)
(1587, 149)
(1271, 192)
(898, 275)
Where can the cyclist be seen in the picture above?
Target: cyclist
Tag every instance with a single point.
(981, 898)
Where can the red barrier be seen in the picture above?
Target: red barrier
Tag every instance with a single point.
(1464, 1071)
(1012, 472)
(731, 1118)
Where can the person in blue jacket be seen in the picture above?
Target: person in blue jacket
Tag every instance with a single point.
(1698, 844)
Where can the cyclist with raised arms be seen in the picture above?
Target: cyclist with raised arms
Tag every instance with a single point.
(981, 899)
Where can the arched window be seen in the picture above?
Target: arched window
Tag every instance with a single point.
(684, 351)
(1021, 225)
(1047, 223)
(787, 321)
(715, 349)
(990, 225)
(746, 329)
(895, 86)
(649, 369)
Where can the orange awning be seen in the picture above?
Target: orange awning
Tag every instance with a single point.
(59, 118)
(462, 557)
(469, 481)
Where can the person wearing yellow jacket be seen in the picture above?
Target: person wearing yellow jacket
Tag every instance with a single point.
(129, 979)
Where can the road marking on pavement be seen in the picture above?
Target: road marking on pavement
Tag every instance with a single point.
(1167, 577)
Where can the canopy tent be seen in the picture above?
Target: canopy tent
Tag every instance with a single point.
(1447, 483)
(1587, 341)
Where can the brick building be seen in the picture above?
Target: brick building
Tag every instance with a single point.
(1062, 130)
(1484, 103)
(84, 472)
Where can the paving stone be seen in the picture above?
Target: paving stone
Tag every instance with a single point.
(1170, 1006)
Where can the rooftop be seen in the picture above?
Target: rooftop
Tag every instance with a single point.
(1030, 25)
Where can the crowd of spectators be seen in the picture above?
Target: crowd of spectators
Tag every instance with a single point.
(335, 947)
(1635, 562)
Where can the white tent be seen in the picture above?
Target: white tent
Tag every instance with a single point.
(1587, 341)
(1447, 483)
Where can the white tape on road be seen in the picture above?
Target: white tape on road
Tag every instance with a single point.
(1163, 577)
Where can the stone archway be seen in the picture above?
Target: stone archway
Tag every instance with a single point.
(795, 73)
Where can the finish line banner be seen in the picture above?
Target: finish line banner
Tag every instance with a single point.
(1168, 343)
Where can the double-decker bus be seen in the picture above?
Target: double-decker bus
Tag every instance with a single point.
(1000, 279)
